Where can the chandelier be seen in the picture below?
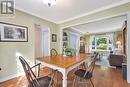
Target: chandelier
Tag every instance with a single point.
(50, 2)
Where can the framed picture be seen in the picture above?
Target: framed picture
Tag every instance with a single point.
(13, 33)
(54, 37)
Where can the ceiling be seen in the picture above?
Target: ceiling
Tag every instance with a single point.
(102, 26)
(65, 10)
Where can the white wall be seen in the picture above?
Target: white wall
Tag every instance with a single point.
(9, 62)
(128, 47)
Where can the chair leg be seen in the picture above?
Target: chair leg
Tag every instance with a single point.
(83, 66)
(56, 77)
(91, 82)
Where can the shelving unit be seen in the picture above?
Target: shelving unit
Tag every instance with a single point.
(65, 39)
(65, 42)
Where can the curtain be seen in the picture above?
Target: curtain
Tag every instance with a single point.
(91, 40)
(74, 41)
(111, 37)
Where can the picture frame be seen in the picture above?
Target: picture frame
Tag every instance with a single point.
(13, 33)
(54, 37)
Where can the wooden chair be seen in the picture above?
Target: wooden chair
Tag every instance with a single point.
(53, 52)
(36, 80)
(85, 74)
(91, 58)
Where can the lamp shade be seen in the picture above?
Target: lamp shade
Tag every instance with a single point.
(118, 42)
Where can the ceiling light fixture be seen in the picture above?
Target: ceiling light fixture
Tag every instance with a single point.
(50, 2)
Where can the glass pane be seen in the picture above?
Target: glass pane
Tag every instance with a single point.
(102, 43)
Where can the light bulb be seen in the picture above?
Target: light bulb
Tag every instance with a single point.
(50, 2)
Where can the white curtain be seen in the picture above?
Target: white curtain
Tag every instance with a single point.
(91, 40)
(74, 41)
(111, 38)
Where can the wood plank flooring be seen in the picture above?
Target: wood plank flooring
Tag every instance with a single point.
(103, 77)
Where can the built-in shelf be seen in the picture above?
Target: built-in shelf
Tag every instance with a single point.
(65, 39)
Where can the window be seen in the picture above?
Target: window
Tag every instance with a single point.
(101, 43)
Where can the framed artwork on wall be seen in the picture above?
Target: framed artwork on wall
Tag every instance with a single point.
(54, 37)
(13, 33)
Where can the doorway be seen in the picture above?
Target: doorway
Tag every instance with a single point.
(42, 41)
(45, 42)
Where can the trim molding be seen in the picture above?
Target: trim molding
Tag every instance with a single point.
(69, 19)
(128, 81)
(36, 15)
(97, 10)
(10, 77)
(128, 46)
(78, 30)
(94, 20)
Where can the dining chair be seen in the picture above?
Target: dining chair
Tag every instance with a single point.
(33, 79)
(91, 57)
(53, 52)
(85, 74)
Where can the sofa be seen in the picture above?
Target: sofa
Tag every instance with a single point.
(115, 60)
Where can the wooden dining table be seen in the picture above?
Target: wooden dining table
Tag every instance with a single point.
(63, 64)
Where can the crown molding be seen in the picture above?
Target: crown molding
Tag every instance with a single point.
(98, 19)
(77, 30)
(69, 19)
(97, 10)
(33, 14)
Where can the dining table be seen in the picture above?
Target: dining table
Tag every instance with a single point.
(63, 64)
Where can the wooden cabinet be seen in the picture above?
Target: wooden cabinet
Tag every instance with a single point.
(82, 44)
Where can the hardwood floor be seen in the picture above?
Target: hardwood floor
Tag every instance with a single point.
(103, 77)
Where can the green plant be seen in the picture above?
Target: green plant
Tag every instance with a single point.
(102, 46)
(71, 51)
(101, 40)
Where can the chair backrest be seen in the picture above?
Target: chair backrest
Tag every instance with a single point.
(53, 52)
(29, 73)
(91, 66)
(95, 56)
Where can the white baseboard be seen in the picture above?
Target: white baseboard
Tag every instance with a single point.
(15, 75)
(128, 81)
(10, 77)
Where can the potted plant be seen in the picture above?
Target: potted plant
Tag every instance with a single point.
(70, 51)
